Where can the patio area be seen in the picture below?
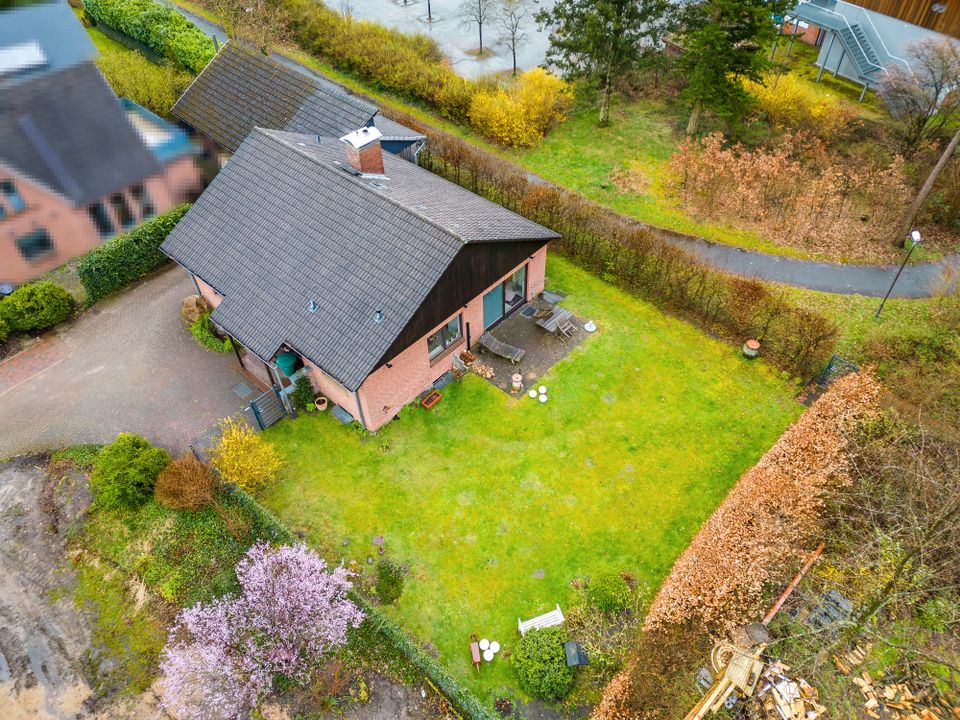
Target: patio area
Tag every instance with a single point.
(542, 348)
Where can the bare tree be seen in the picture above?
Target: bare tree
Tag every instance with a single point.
(478, 12)
(924, 101)
(346, 9)
(260, 22)
(512, 19)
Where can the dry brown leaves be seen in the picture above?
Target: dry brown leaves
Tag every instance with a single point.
(767, 519)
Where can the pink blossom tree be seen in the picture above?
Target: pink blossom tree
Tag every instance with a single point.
(221, 658)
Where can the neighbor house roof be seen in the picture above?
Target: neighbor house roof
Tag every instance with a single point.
(307, 252)
(241, 88)
(68, 131)
(39, 39)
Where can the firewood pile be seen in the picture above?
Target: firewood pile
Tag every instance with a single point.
(779, 697)
(891, 701)
(467, 358)
(484, 371)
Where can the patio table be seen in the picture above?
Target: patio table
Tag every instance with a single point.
(550, 323)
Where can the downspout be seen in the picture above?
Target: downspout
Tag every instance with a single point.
(356, 397)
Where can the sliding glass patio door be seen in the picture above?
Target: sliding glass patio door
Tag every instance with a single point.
(504, 298)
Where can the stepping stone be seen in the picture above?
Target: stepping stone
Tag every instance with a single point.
(539, 574)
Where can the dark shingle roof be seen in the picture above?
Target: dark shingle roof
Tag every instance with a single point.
(68, 131)
(241, 89)
(283, 224)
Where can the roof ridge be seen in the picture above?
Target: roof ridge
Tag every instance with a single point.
(354, 179)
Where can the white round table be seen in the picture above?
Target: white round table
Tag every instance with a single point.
(488, 655)
(484, 644)
(495, 646)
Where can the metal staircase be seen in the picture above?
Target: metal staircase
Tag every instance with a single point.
(856, 41)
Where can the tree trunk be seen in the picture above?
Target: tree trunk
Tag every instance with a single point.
(513, 50)
(694, 123)
(480, 27)
(921, 197)
(605, 99)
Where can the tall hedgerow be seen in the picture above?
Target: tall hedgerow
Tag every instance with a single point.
(128, 257)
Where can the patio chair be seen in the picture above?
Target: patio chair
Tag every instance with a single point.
(504, 350)
(565, 328)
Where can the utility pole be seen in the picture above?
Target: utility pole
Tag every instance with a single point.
(925, 190)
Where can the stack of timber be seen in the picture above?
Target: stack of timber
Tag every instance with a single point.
(780, 697)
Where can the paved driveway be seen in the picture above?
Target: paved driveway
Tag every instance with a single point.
(128, 364)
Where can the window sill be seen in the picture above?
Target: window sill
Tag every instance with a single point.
(446, 352)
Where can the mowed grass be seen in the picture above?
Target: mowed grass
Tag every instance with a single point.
(497, 504)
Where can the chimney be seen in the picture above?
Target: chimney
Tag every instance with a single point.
(363, 150)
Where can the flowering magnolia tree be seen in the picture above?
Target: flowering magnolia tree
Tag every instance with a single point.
(221, 658)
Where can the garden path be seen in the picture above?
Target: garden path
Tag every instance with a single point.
(919, 280)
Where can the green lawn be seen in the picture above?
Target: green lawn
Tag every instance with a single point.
(649, 424)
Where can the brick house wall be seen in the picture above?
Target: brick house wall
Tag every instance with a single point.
(388, 389)
(384, 393)
(70, 229)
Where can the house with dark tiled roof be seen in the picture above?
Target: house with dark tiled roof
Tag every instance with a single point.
(77, 165)
(241, 88)
(329, 257)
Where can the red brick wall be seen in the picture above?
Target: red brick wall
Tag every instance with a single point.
(70, 228)
(387, 390)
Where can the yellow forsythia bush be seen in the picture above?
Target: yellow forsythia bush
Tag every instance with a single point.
(243, 457)
(792, 102)
(523, 113)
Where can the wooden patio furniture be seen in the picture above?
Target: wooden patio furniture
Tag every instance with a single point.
(504, 350)
(559, 316)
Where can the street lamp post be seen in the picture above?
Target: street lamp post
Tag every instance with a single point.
(915, 240)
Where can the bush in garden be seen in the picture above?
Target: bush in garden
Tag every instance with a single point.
(243, 457)
(185, 484)
(155, 87)
(222, 658)
(389, 581)
(128, 257)
(541, 664)
(125, 472)
(608, 592)
(792, 102)
(202, 331)
(521, 115)
(35, 307)
(303, 393)
(157, 26)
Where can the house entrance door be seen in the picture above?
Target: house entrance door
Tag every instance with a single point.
(492, 306)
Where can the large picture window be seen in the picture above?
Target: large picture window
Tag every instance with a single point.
(121, 210)
(101, 218)
(445, 337)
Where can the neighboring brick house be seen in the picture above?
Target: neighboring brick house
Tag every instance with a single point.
(241, 88)
(374, 271)
(76, 164)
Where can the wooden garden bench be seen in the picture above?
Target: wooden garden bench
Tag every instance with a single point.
(554, 617)
(504, 350)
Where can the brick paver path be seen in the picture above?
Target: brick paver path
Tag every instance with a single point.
(128, 364)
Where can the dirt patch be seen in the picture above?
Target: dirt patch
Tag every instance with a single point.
(42, 639)
(630, 178)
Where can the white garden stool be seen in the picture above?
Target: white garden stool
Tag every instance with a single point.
(488, 655)
(484, 644)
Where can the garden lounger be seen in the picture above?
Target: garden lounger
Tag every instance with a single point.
(498, 347)
(554, 617)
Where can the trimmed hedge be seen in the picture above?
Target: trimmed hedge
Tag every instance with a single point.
(34, 307)
(462, 699)
(157, 26)
(128, 257)
(639, 258)
(540, 662)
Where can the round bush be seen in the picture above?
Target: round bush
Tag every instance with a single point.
(608, 592)
(37, 306)
(389, 581)
(185, 484)
(303, 393)
(125, 472)
(541, 664)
